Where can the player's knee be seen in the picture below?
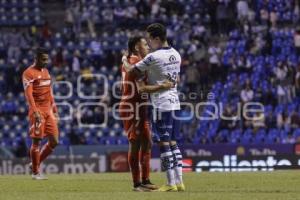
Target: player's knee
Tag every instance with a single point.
(134, 146)
(161, 143)
(150, 144)
(54, 142)
(36, 141)
(165, 137)
(146, 145)
(173, 143)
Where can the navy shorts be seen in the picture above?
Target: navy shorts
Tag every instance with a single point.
(165, 125)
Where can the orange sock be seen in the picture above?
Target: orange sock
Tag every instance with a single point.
(133, 159)
(35, 158)
(145, 163)
(45, 152)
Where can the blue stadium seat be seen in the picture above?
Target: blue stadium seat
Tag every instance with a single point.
(296, 133)
(260, 136)
(273, 136)
(235, 136)
(247, 137)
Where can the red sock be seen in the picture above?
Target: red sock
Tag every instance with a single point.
(35, 158)
(145, 163)
(133, 159)
(45, 152)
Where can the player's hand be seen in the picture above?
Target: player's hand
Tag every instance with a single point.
(37, 118)
(125, 55)
(166, 84)
(168, 77)
(56, 116)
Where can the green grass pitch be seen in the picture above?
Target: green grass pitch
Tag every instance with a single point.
(281, 185)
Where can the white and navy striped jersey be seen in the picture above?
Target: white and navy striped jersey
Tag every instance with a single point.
(160, 64)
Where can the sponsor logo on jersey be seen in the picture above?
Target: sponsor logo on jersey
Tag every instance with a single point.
(44, 83)
(172, 58)
(148, 60)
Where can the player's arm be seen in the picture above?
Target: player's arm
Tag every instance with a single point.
(28, 90)
(175, 80)
(127, 66)
(138, 68)
(297, 82)
(53, 105)
(142, 87)
(178, 79)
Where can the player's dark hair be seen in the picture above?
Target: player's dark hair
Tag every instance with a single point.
(157, 30)
(40, 51)
(131, 44)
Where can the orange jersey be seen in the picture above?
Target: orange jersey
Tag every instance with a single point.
(129, 89)
(37, 87)
(130, 94)
(136, 127)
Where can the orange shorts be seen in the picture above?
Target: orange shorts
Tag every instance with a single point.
(137, 129)
(46, 128)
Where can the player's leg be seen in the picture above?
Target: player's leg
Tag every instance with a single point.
(133, 159)
(36, 133)
(133, 153)
(145, 155)
(162, 123)
(145, 152)
(49, 147)
(51, 131)
(35, 155)
(177, 153)
(177, 165)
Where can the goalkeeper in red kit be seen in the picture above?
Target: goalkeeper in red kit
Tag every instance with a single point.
(133, 112)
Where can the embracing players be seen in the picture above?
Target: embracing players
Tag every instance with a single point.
(133, 111)
(163, 62)
(42, 111)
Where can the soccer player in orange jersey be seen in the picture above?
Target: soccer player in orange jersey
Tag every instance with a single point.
(135, 120)
(42, 111)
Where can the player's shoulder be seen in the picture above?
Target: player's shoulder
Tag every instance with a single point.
(155, 53)
(134, 59)
(174, 50)
(149, 58)
(29, 71)
(164, 50)
(166, 53)
(175, 53)
(46, 70)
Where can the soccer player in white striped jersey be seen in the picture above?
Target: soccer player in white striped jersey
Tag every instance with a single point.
(163, 62)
